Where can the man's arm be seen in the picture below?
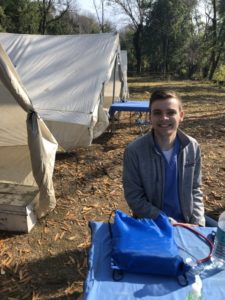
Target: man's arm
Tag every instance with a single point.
(134, 191)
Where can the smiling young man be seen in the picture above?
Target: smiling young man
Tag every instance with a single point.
(162, 169)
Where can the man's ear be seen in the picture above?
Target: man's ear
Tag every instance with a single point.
(181, 116)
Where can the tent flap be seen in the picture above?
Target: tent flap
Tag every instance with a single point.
(29, 156)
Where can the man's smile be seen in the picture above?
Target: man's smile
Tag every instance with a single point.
(164, 125)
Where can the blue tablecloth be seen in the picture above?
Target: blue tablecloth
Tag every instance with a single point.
(99, 284)
(138, 106)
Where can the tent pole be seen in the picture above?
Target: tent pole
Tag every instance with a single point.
(102, 94)
(114, 80)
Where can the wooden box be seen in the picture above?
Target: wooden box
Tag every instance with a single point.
(16, 207)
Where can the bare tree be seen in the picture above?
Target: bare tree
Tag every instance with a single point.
(137, 12)
(87, 24)
(51, 11)
(100, 18)
(215, 30)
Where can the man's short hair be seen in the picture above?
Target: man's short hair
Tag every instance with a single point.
(163, 95)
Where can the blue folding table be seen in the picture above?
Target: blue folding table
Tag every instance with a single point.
(129, 106)
(99, 284)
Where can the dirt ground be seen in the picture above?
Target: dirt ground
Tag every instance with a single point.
(51, 261)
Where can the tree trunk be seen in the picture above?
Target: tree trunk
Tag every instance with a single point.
(212, 62)
(138, 47)
(165, 55)
(212, 69)
(215, 64)
(43, 10)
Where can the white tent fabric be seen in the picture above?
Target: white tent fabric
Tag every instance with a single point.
(27, 148)
(66, 77)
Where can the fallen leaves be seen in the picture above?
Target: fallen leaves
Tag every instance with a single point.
(86, 209)
(7, 261)
(88, 184)
(14, 278)
(85, 244)
(52, 252)
(71, 238)
(216, 196)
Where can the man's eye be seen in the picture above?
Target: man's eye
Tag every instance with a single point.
(172, 113)
(156, 113)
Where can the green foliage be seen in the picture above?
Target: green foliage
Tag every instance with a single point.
(219, 75)
(163, 36)
(67, 24)
(126, 42)
(168, 33)
(88, 24)
(2, 19)
(22, 16)
(221, 8)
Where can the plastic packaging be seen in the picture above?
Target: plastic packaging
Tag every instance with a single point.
(218, 256)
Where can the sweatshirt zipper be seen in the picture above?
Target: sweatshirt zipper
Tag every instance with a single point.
(162, 170)
(180, 180)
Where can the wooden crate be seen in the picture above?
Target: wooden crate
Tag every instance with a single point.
(16, 207)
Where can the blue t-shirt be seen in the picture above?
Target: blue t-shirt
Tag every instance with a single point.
(171, 202)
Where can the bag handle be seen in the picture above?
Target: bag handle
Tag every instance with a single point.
(207, 241)
(109, 223)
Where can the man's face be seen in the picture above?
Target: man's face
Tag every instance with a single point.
(166, 116)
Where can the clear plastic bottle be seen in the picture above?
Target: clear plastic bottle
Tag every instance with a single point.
(196, 290)
(218, 256)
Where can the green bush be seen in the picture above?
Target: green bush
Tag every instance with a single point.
(219, 75)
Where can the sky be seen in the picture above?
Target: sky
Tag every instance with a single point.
(87, 6)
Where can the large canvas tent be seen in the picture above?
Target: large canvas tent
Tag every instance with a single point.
(27, 148)
(71, 79)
